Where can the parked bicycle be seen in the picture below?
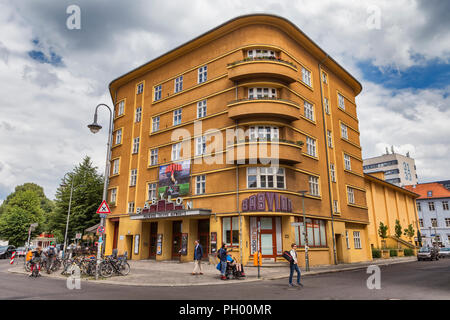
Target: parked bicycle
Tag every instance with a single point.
(112, 265)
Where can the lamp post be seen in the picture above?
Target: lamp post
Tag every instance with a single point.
(303, 192)
(68, 215)
(95, 127)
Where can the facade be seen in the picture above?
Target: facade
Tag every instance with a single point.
(215, 139)
(434, 214)
(398, 169)
(388, 203)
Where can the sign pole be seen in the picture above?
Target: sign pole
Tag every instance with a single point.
(103, 210)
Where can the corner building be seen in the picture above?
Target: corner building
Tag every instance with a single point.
(261, 74)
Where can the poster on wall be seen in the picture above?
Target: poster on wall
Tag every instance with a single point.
(174, 179)
(159, 243)
(136, 244)
(184, 244)
(213, 242)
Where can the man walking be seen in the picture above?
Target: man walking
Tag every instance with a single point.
(198, 254)
(222, 254)
(294, 266)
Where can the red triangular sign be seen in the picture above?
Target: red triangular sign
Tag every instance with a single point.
(103, 208)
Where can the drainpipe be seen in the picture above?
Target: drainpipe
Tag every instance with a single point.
(326, 155)
(237, 192)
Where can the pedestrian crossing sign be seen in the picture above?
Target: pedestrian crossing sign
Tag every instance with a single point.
(103, 208)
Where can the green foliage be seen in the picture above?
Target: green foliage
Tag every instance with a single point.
(398, 229)
(409, 232)
(419, 238)
(382, 230)
(408, 252)
(376, 253)
(392, 252)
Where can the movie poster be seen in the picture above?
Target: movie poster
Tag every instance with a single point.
(174, 179)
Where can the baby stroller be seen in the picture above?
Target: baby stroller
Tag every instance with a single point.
(231, 270)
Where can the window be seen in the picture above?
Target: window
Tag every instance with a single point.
(140, 88)
(154, 157)
(258, 93)
(419, 208)
(136, 145)
(407, 171)
(389, 172)
(138, 114)
(341, 101)
(347, 162)
(120, 108)
(201, 109)
(264, 133)
(431, 206)
(306, 76)
(314, 186)
(133, 176)
(116, 166)
(311, 146)
(230, 231)
(344, 131)
(315, 231)
(351, 195)
(347, 240)
(113, 195)
(447, 222)
(176, 151)
(158, 93)
(434, 222)
(309, 111)
(260, 53)
(437, 238)
(155, 124)
(151, 191)
(393, 181)
(445, 205)
(130, 207)
(330, 139)
(200, 184)
(421, 223)
(332, 173)
(324, 77)
(119, 136)
(357, 239)
(381, 164)
(177, 117)
(200, 145)
(336, 206)
(326, 105)
(178, 84)
(265, 177)
(202, 74)
(429, 194)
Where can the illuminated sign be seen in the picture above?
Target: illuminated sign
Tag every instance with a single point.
(267, 201)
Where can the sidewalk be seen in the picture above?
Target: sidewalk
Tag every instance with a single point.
(173, 273)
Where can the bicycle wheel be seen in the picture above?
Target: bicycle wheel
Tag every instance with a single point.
(124, 268)
(28, 266)
(106, 270)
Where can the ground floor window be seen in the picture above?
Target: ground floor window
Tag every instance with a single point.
(230, 231)
(357, 239)
(315, 231)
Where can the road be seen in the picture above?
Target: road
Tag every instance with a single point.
(413, 280)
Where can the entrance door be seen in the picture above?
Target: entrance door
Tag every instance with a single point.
(339, 252)
(153, 239)
(176, 239)
(116, 234)
(268, 237)
(203, 235)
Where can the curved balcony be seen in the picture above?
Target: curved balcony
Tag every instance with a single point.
(270, 107)
(264, 152)
(262, 67)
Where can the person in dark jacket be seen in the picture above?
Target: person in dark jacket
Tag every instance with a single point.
(222, 254)
(198, 254)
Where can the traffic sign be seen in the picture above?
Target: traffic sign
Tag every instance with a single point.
(103, 215)
(101, 230)
(78, 236)
(103, 208)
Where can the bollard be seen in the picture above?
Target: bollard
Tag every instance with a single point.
(12, 258)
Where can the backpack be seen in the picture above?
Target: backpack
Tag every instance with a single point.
(287, 256)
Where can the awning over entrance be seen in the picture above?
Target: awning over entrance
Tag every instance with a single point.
(171, 214)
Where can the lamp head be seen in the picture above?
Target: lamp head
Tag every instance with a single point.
(94, 127)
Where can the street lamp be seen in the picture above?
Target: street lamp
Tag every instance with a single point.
(305, 232)
(68, 214)
(95, 127)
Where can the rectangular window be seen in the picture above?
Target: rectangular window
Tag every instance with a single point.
(434, 222)
(344, 131)
(315, 230)
(421, 223)
(306, 76)
(326, 105)
(130, 207)
(179, 84)
(158, 93)
(347, 162)
(329, 139)
(332, 173)
(113, 195)
(119, 136)
(138, 114)
(202, 74)
(230, 231)
(314, 186)
(429, 194)
(176, 151)
(201, 109)
(133, 176)
(177, 117)
(151, 191)
(445, 205)
(341, 101)
(265, 177)
(120, 108)
(347, 240)
(357, 239)
(447, 222)
(309, 111)
(336, 206)
(200, 145)
(260, 53)
(155, 124)
(431, 206)
(324, 77)
(136, 145)
(154, 157)
(200, 184)
(116, 166)
(260, 93)
(140, 88)
(311, 146)
(264, 133)
(351, 195)
(419, 208)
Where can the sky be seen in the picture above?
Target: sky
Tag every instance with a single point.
(52, 77)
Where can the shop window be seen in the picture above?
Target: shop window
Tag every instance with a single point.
(230, 231)
(316, 233)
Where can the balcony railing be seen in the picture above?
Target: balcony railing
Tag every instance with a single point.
(248, 59)
(264, 98)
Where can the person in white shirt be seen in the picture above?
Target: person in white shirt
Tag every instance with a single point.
(294, 266)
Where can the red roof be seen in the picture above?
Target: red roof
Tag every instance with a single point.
(437, 189)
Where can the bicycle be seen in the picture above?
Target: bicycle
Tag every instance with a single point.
(112, 265)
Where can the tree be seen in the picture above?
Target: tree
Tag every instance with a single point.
(86, 197)
(398, 231)
(382, 232)
(409, 232)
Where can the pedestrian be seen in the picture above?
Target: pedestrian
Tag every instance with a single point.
(294, 266)
(198, 254)
(222, 254)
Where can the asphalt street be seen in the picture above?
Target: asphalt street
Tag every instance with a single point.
(413, 280)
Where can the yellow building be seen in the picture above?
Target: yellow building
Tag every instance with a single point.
(181, 170)
(388, 203)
